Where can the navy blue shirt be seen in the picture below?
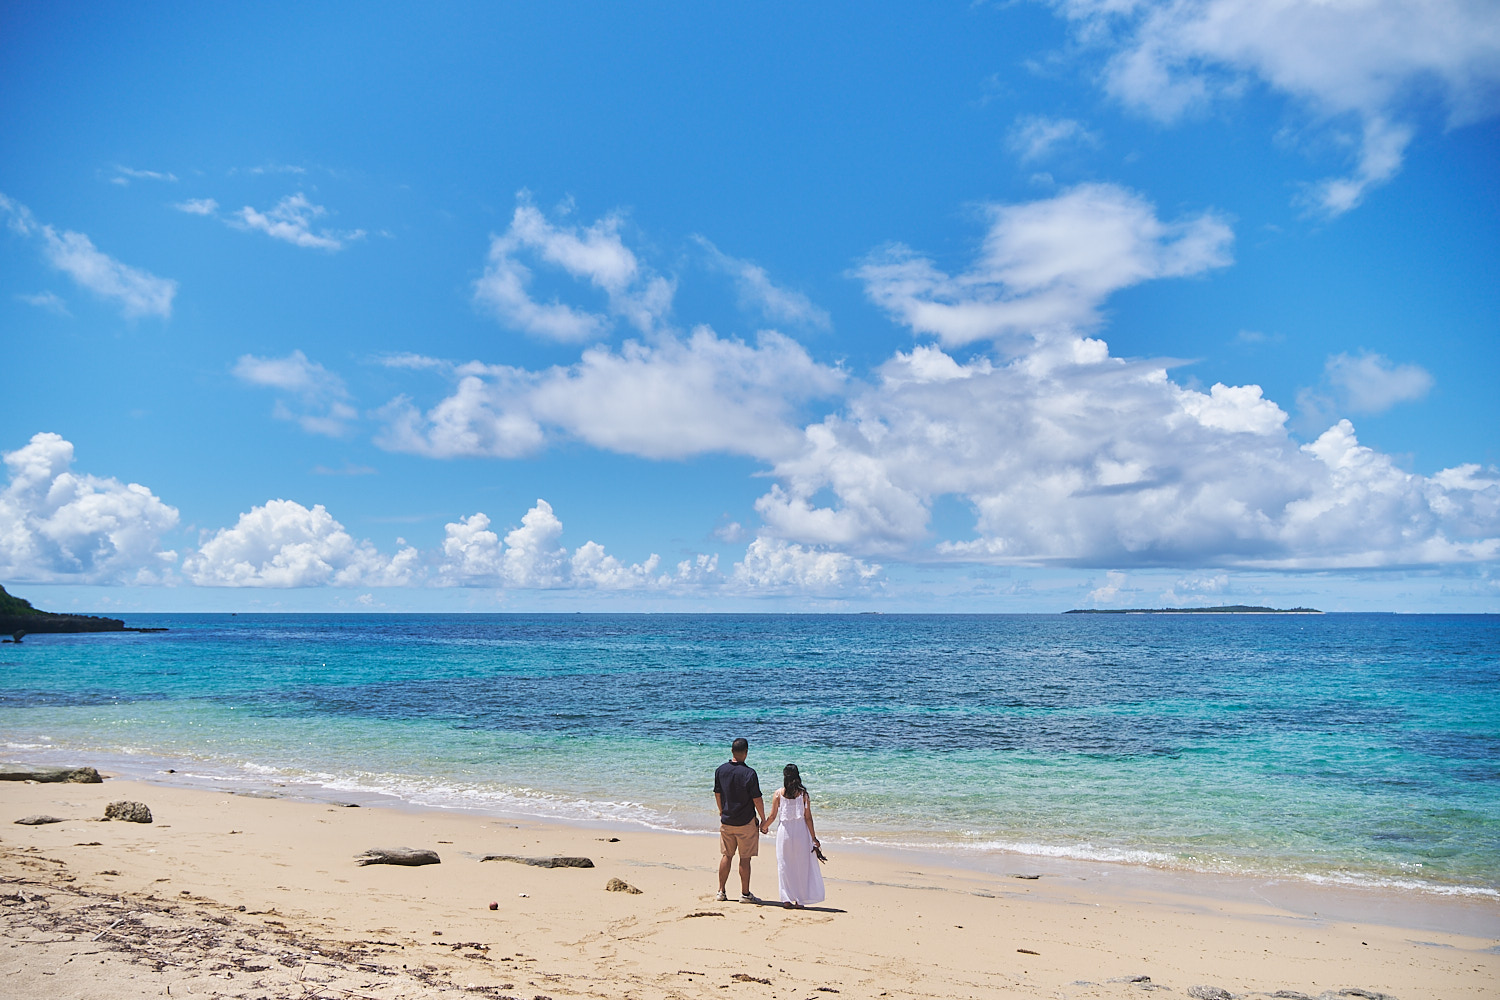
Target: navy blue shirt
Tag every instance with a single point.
(738, 786)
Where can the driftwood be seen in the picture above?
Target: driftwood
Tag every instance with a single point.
(39, 820)
(398, 856)
(129, 812)
(557, 862)
(26, 772)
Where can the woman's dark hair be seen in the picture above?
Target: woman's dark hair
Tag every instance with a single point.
(792, 779)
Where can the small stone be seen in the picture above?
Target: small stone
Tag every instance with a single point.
(40, 819)
(620, 885)
(494, 906)
(129, 812)
(1209, 993)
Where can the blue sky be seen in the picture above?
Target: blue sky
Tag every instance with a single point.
(970, 307)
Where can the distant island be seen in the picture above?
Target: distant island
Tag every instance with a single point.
(1227, 609)
(19, 618)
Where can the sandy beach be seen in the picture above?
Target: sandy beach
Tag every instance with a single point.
(249, 895)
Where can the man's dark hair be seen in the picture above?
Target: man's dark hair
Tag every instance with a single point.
(740, 746)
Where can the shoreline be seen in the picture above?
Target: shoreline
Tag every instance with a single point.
(907, 924)
(1476, 909)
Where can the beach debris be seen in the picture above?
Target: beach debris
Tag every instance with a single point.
(608, 840)
(745, 977)
(40, 819)
(1290, 995)
(494, 905)
(129, 812)
(1027, 951)
(1029, 878)
(620, 885)
(409, 856)
(1364, 994)
(703, 913)
(75, 775)
(1209, 993)
(554, 862)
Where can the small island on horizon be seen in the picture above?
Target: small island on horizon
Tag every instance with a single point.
(1226, 609)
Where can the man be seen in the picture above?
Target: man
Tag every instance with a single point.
(741, 814)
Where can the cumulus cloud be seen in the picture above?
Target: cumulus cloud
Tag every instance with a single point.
(759, 293)
(1373, 62)
(674, 399)
(532, 557)
(58, 526)
(291, 221)
(774, 565)
(1036, 137)
(319, 396)
(136, 292)
(1084, 459)
(1046, 266)
(284, 544)
(595, 254)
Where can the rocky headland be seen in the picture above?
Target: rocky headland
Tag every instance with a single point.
(19, 618)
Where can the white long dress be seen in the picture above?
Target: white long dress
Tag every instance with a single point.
(797, 873)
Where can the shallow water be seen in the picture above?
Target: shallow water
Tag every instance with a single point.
(1349, 748)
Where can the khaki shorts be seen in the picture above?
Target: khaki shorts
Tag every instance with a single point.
(745, 839)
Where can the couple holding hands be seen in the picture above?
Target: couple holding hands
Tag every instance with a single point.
(742, 819)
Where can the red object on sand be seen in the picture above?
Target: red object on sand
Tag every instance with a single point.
(494, 906)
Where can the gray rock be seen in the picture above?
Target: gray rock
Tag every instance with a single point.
(25, 772)
(557, 862)
(1290, 995)
(1365, 994)
(1209, 993)
(129, 812)
(409, 856)
(40, 819)
(1129, 979)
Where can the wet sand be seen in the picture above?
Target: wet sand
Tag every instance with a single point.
(245, 896)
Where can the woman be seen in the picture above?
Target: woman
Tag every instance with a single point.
(797, 874)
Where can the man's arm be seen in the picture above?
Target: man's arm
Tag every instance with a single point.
(760, 809)
(719, 803)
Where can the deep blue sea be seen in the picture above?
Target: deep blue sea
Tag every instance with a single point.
(1349, 748)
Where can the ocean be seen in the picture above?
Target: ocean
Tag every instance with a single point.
(1359, 749)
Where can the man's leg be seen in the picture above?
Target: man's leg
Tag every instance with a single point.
(724, 871)
(744, 874)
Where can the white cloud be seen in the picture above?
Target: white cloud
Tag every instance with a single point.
(1108, 593)
(678, 398)
(124, 175)
(284, 544)
(1373, 61)
(137, 292)
(758, 292)
(1361, 384)
(291, 221)
(58, 526)
(532, 557)
(1046, 266)
(197, 206)
(320, 396)
(1370, 383)
(1100, 462)
(595, 254)
(50, 301)
(1036, 137)
(773, 565)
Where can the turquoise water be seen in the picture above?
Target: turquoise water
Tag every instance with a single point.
(1350, 748)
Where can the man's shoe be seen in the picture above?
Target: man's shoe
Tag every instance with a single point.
(749, 897)
(722, 897)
